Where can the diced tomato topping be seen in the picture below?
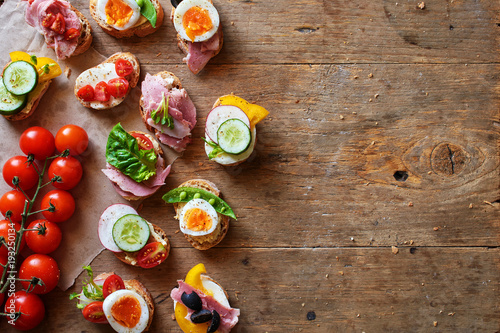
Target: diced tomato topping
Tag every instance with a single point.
(59, 26)
(48, 20)
(143, 141)
(101, 92)
(118, 87)
(71, 33)
(123, 67)
(86, 93)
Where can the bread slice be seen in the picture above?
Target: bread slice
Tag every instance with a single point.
(141, 29)
(223, 219)
(132, 79)
(34, 98)
(85, 38)
(157, 235)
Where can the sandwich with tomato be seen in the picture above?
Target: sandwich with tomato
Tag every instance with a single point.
(24, 81)
(65, 29)
(107, 84)
(126, 305)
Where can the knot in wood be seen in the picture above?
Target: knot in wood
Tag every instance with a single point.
(448, 159)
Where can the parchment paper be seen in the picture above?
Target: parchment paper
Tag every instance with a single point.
(57, 108)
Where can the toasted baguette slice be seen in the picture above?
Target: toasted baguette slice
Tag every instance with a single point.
(223, 219)
(132, 80)
(157, 235)
(85, 38)
(34, 98)
(141, 29)
(139, 288)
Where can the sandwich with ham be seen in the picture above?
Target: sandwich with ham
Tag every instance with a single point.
(135, 163)
(65, 29)
(167, 110)
(199, 31)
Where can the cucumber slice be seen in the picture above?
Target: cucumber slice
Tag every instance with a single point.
(20, 77)
(234, 136)
(131, 233)
(10, 104)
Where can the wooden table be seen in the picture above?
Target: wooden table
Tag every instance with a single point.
(371, 204)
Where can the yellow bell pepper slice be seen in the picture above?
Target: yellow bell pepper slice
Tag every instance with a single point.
(46, 67)
(254, 112)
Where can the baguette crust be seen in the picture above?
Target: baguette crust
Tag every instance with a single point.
(223, 219)
(141, 30)
(85, 38)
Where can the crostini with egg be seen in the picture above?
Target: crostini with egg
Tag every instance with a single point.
(135, 163)
(131, 238)
(167, 110)
(24, 81)
(230, 132)
(201, 304)
(107, 84)
(199, 31)
(203, 216)
(65, 29)
(126, 305)
(126, 18)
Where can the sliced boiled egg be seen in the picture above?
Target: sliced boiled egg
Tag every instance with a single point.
(120, 14)
(196, 20)
(198, 218)
(126, 311)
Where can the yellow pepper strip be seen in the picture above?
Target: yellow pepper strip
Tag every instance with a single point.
(254, 112)
(46, 67)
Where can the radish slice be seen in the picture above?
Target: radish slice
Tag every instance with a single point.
(219, 115)
(106, 222)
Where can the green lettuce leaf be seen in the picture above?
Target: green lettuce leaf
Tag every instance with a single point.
(149, 12)
(122, 152)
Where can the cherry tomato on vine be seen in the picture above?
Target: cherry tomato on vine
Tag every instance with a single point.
(37, 141)
(29, 305)
(8, 232)
(43, 267)
(3, 261)
(13, 201)
(123, 67)
(46, 239)
(151, 255)
(143, 141)
(112, 284)
(94, 313)
(18, 166)
(64, 205)
(69, 169)
(72, 137)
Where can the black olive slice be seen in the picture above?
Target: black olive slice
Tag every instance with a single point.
(192, 301)
(214, 325)
(175, 3)
(201, 316)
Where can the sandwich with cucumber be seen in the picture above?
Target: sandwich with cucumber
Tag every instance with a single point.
(230, 132)
(24, 81)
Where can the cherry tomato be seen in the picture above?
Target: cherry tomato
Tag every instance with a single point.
(37, 141)
(44, 268)
(123, 67)
(118, 87)
(69, 169)
(59, 25)
(72, 137)
(143, 141)
(71, 33)
(112, 284)
(13, 201)
(8, 232)
(18, 166)
(86, 93)
(94, 313)
(46, 240)
(3, 261)
(101, 92)
(151, 255)
(29, 305)
(48, 20)
(64, 206)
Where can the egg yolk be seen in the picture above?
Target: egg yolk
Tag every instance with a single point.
(196, 22)
(126, 311)
(197, 220)
(118, 13)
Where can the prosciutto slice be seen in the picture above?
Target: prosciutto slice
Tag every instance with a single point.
(228, 316)
(38, 10)
(200, 53)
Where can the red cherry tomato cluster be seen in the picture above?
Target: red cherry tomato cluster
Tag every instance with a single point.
(39, 273)
(117, 87)
(55, 22)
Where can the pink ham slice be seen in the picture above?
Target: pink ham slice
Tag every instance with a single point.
(228, 316)
(200, 53)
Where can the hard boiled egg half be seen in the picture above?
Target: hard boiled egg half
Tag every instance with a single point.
(126, 311)
(196, 20)
(198, 218)
(120, 14)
